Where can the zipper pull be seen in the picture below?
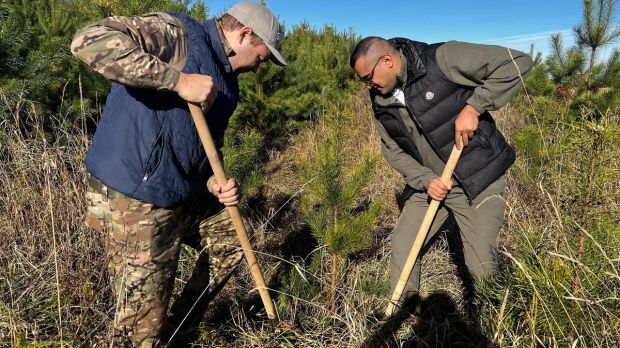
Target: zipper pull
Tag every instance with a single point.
(146, 177)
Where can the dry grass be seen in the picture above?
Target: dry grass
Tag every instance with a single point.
(51, 266)
(539, 253)
(44, 239)
(49, 260)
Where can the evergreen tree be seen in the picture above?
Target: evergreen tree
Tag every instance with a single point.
(536, 57)
(610, 78)
(575, 70)
(105, 8)
(566, 67)
(331, 202)
(596, 30)
(538, 82)
(277, 100)
(35, 62)
(14, 41)
(242, 154)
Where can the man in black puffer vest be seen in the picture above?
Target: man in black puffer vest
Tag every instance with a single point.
(425, 98)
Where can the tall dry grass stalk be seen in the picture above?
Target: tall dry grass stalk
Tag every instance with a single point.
(51, 267)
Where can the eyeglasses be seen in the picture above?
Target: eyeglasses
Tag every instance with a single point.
(368, 78)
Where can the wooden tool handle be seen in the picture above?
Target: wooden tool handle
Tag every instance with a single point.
(218, 170)
(421, 236)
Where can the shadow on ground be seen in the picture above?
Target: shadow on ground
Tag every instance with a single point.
(293, 241)
(437, 324)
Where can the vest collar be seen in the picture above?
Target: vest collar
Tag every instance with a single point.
(218, 46)
(415, 68)
(402, 74)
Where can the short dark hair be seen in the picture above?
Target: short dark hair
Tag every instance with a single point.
(366, 46)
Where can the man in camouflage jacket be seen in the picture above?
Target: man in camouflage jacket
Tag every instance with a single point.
(148, 173)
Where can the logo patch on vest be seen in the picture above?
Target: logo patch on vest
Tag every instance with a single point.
(429, 95)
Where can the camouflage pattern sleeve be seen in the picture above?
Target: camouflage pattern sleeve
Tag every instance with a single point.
(147, 51)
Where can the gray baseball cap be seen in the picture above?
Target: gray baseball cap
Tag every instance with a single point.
(263, 23)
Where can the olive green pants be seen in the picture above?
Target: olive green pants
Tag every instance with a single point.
(479, 224)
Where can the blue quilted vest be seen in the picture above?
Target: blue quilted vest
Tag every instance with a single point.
(146, 144)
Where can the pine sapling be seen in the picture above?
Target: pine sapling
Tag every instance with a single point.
(333, 202)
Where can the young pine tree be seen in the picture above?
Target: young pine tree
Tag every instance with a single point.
(567, 67)
(596, 30)
(333, 202)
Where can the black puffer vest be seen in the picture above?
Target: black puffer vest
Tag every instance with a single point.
(434, 102)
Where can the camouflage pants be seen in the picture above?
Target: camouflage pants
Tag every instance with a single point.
(143, 243)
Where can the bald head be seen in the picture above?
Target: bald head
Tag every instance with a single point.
(371, 48)
(377, 63)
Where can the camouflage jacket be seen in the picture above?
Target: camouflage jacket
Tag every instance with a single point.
(143, 51)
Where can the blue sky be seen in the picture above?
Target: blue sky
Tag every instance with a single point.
(515, 24)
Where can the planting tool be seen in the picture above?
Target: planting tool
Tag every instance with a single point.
(218, 170)
(422, 232)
